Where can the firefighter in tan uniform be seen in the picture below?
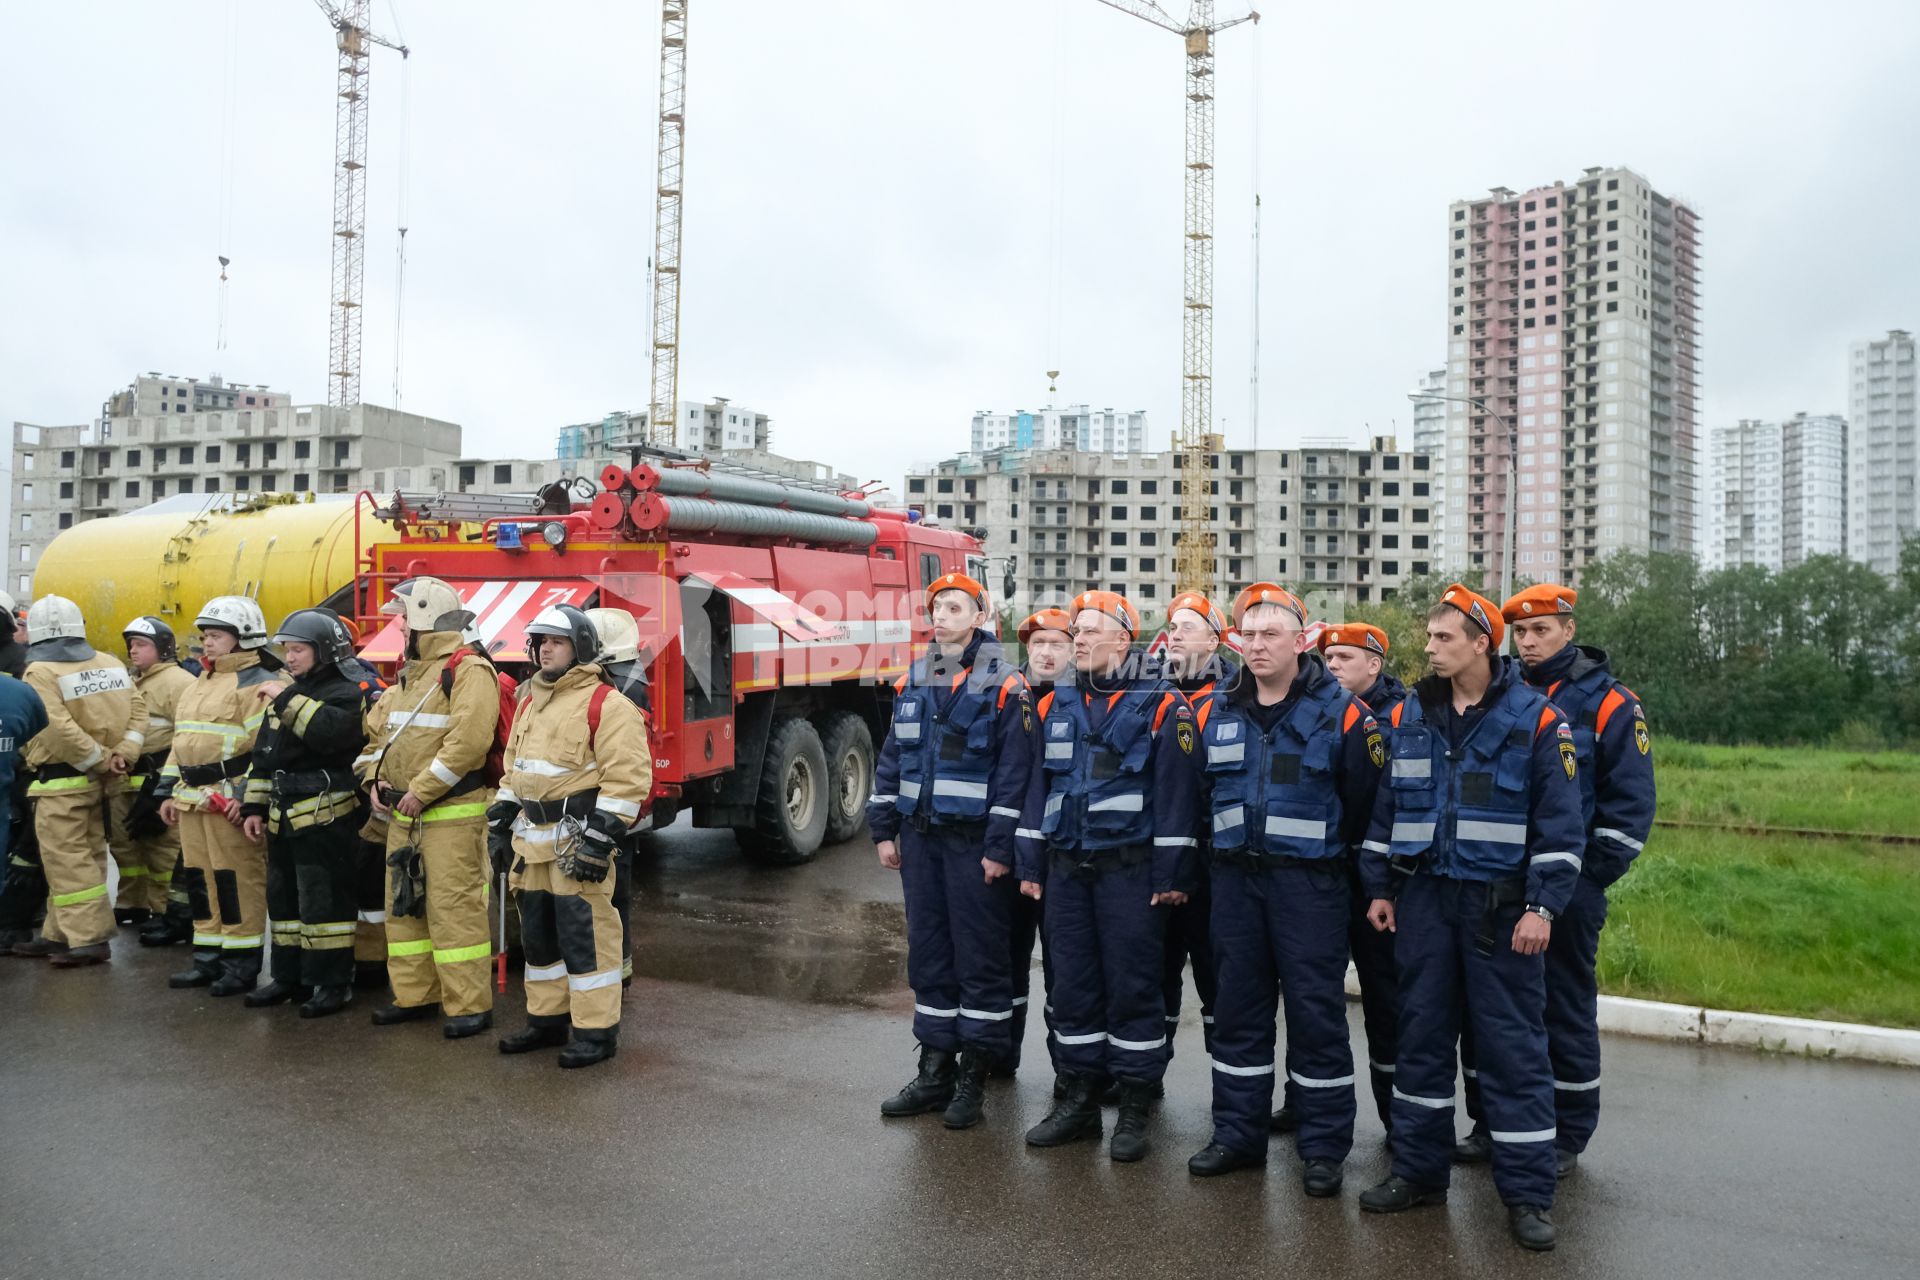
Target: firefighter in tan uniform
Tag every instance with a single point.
(430, 734)
(95, 723)
(201, 788)
(146, 849)
(579, 769)
(621, 667)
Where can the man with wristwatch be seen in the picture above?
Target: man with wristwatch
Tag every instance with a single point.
(1475, 846)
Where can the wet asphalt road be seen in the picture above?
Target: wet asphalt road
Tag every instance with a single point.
(149, 1134)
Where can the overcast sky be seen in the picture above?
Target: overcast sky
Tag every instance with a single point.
(871, 249)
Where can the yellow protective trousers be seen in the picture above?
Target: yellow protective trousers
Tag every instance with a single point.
(571, 936)
(443, 957)
(70, 822)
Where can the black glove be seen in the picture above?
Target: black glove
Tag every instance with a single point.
(591, 858)
(500, 815)
(409, 882)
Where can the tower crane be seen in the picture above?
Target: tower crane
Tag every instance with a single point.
(355, 40)
(664, 406)
(1195, 562)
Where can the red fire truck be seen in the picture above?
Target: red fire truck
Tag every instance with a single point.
(773, 618)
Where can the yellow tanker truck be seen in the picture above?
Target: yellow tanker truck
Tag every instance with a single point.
(288, 551)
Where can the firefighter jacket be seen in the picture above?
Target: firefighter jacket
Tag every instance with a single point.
(1492, 795)
(215, 723)
(94, 710)
(1116, 774)
(1615, 752)
(421, 740)
(562, 770)
(161, 686)
(302, 772)
(21, 717)
(1294, 781)
(960, 751)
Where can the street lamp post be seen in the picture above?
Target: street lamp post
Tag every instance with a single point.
(1513, 479)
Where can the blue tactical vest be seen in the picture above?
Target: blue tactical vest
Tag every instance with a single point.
(1483, 785)
(1274, 792)
(1579, 701)
(946, 739)
(1097, 781)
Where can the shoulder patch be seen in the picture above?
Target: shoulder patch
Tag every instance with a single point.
(1641, 738)
(1376, 745)
(1183, 734)
(1564, 732)
(1567, 761)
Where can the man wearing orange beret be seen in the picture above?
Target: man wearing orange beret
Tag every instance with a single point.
(1049, 646)
(1615, 757)
(1472, 853)
(947, 789)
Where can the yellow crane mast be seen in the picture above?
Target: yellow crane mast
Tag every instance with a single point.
(1196, 441)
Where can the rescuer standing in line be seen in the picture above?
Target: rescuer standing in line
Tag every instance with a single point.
(1291, 760)
(96, 721)
(620, 667)
(430, 734)
(1355, 654)
(951, 773)
(1472, 853)
(579, 771)
(1049, 652)
(302, 797)
(146, 849)
(1109, 835)
(216, 722)
(1195, 627)
(1617, 800)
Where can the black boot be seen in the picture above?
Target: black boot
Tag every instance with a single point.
(388, 1015)
(1284, 1120)
(463, 1025)
(931, 1090)
(589, 1047)
(39, 949)
(277, 992)
(204, 973)
(1109, 1091)
(1074, 1117)
(1062, 1080)
(81, 957)
(124, 916)
(11, 938)
(1130, 1126)
(535, 1035)
(1214, 1159)
(969, 1093)
(1532, 1227)
(166, 930)
(1322, 1178)
(1564, 1162)
(327, 1000)
(1397, 1194)
(239, 973)
(1476, 1147)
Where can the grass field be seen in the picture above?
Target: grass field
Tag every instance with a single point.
(1775, 924)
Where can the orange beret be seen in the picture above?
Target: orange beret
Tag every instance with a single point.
(1045, 620)
(956, 582)
(1111, 603)
(1268, 593)
(1480, 611)
(1357, 635)
(1540, 601)
(1201, 605)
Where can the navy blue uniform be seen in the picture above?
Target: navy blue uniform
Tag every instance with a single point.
(1190, 925)
(1615, 751)
(948, 786)
(1290, 790)
(1028, 927)
(23, 885)
(1110, 820)
(1478, 817)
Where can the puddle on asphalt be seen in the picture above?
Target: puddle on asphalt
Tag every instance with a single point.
(809, 950)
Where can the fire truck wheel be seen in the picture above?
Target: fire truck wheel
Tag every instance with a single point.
(790, 817)
(849, 748)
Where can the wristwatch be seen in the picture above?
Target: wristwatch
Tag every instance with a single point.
(1540, 911)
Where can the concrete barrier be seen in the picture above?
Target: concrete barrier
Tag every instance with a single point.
(1657, 1021)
